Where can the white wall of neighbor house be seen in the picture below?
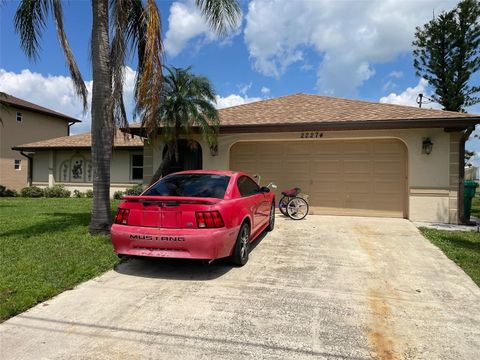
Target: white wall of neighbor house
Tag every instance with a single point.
(54, 167)
(432, 179)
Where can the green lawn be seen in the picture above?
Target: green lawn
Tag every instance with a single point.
(45, 249)
(462, 247)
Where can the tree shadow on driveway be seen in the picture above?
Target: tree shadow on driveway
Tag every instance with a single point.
(179, 269)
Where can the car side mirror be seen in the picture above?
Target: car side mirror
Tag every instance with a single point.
(264, 189)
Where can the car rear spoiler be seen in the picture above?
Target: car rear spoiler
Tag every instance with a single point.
(177, 199)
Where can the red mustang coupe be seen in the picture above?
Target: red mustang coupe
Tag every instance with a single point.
(198, 214)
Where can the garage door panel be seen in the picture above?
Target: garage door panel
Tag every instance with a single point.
(356, 147)
(360, 177)
(356, 167)
(323, 167)
(323, 148)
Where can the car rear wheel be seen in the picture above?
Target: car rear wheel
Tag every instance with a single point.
(271, 218)
(242, 245)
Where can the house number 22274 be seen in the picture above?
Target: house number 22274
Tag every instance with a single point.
(311, 134)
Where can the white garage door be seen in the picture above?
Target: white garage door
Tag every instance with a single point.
(347, 177)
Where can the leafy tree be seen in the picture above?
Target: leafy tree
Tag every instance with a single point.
(446, 54)
(118, 27)
(468, 155)
(186, 102)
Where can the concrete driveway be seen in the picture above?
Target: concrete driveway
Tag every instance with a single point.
(324, 287)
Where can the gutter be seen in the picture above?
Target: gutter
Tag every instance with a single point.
(452, 124)
(30, 168)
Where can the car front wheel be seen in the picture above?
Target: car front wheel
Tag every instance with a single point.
(271, 218)
(242, 245)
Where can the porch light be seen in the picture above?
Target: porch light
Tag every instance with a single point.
(427, 146)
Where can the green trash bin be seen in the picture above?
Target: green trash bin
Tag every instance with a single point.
(470, 188)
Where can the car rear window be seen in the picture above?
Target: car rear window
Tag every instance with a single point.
(195, 185)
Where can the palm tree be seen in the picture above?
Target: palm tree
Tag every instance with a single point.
(186, 104)
(119, 26)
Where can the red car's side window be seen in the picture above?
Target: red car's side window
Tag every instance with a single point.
(247, 187)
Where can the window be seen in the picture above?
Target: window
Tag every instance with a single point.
(19, 117)
(137, 167)
(196, 185)
(17, 164)
(247, 186)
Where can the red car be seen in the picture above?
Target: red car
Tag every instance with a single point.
(198, 214)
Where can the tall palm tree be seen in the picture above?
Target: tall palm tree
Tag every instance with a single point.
(186, 105)
(119, 26)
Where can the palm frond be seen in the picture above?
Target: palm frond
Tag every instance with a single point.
(119, 15)
(29, 23)
(222, 15)
(150, 77)
(77, 79)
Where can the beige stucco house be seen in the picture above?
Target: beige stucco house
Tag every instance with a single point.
(67, 160)
(24, 122)
(351, 157)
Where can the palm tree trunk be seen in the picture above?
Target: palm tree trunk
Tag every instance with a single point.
(102, 116)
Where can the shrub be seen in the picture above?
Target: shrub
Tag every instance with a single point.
(117, 195)
(78, 194)
(134, 190)
(4, 192)
(89, 193)
(57, 191)
(32, 191)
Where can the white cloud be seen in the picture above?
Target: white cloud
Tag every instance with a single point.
(186, 23)
(396, 74)
(265, 90)
(389, 85)
(349, 36)
(409, 96)
(233, 100)
(57, 93)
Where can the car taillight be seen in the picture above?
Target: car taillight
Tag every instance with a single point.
(122, 216)
(209, 219)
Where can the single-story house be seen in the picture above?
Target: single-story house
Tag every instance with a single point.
(67, 160)
(351, 157)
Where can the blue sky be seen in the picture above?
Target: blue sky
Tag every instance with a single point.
(355, 49)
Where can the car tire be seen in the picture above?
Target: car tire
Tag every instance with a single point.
(240, 251)
(271, 218)
(282, 205)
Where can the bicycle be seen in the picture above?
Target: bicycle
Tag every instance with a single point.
(293, 205)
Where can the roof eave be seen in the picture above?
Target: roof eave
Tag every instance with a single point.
(60, 116)
(46, 148)
(450, 123)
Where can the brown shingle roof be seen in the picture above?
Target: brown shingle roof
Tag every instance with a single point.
(306, 108)
(81, 141)
(305, 111)
(23, 104)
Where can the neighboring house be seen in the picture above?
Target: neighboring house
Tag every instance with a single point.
(351, 157)
(23, 122)
(67, 160)
(471, 173)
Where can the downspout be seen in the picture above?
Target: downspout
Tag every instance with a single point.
(30, 168)
(69, 124)
(461, 173)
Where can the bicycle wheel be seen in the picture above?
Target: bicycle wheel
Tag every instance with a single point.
(282, 205)
(297, 208)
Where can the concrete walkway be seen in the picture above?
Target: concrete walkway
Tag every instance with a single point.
(324, 287)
